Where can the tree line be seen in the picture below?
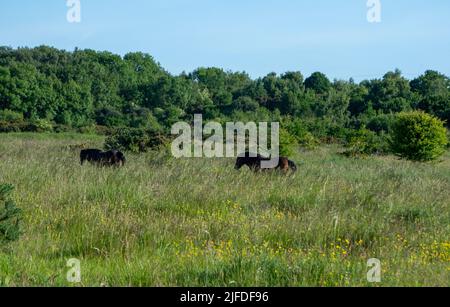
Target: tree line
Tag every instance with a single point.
(86, 89)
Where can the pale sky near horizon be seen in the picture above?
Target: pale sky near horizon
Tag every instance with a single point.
(256, 36)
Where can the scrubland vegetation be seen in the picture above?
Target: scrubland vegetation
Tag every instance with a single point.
(165, 222)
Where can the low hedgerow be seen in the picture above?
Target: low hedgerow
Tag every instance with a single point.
(25, 126)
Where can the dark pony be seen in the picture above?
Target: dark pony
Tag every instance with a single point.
(254, 162)
(101, 158)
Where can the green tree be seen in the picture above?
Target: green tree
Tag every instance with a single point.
(359, 102)
(318, 83)
(391, 94)
(433, 89)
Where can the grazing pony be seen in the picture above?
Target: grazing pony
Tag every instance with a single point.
(90, 155)
(254, 162)
(100, 158)
(113, 158)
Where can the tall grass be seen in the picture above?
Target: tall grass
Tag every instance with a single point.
(198, 222)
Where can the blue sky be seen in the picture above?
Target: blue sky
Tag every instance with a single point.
(256, 36)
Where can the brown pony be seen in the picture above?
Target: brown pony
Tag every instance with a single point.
(254, 162)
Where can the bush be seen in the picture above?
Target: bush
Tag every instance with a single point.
(135, 140)
(7, 127)
(381, 123)
(10, 116)
(288, 143)
(418, 136)
(110, 117)
(10, 216)
(42, 125)
(327, 130)
(364, 142)
(303, 137)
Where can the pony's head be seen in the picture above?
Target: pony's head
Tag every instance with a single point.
(240, 162)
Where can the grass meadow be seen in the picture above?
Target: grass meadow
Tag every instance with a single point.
(197, 222)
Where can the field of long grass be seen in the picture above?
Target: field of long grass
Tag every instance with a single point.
(198, 222)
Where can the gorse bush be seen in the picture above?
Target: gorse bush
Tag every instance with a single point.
(135, 140)
(418, 136)
(10, 215)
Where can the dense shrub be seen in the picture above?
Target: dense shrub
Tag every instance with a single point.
(10, 215)
(365, 142)
(25, 126)
(7, 127)
(135, 140)
(42, 125)
(381, 123)
(418, 136)
(327, 130)
(302, 136)
(10, 116)
(288, 143)
(110, 117)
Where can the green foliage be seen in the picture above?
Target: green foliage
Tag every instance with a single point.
(327, 129)
(381, 123)
(433, 94)
(6, 127)
(135, 140)
(42, 125)
(246, 104)
(418, 136)
(318, 82)
(365, 142)
(359, 103)
(110, 117)
(10, 116)
(45, 89)
(391, 94)
(298, 129)
(288, 143)
(448, 138)
(10, 215)
(35, 126)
